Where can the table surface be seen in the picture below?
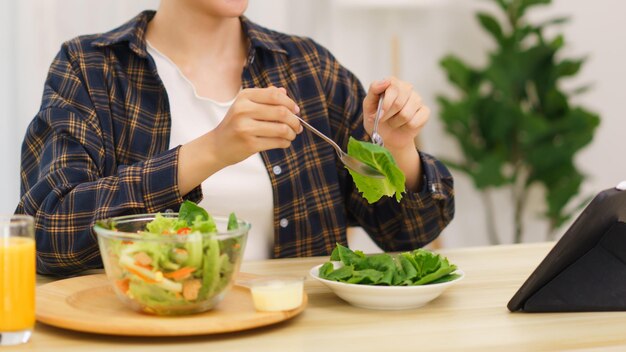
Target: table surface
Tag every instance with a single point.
(470, 316)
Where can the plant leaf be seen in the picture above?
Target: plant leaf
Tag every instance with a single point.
(581, 89)
(458, 72)
(554, 21)
(568, 68)
(491, 25)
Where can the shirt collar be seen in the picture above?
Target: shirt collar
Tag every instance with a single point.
(261, 37)
(133, 32)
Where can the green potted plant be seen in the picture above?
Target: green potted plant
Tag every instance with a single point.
(515, 124)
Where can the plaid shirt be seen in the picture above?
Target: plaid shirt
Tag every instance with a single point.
(99, 148)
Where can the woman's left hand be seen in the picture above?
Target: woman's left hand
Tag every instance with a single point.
(403, 117)
(403, 114)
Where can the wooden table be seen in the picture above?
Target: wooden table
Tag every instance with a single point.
(470, 316)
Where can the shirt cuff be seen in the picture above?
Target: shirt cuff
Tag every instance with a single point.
(160, 183)
(433, 172)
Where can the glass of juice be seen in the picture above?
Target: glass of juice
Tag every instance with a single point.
(17, 279)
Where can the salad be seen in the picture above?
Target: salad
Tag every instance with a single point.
(418, 267)
(176, 263)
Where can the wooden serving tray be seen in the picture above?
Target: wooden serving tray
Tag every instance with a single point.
(88, 304)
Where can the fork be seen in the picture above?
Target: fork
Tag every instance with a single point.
(349, 161)
(376, 138)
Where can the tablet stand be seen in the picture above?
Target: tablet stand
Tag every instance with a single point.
(586, 268)
(594, 282)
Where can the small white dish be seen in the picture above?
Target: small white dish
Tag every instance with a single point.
(386, 297)
(276, 293)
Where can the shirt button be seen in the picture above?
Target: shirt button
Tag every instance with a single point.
(277, 170)
(284, 223)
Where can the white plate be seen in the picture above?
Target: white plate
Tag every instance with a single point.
(386, 297)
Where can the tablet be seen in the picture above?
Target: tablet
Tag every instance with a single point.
(607, 208)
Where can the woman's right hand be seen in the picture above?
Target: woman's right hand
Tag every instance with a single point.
(259, 119)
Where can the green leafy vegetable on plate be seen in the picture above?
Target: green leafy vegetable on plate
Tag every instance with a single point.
(418, 267)
(380, 159)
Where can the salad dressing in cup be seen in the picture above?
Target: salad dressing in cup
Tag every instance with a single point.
(271, 294)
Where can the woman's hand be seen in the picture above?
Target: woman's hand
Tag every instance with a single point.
(259, 119)
(403, 117)
(403, 114)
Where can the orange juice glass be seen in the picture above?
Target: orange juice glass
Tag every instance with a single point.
(17, 279)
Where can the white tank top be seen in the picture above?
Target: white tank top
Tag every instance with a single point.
(244, 188)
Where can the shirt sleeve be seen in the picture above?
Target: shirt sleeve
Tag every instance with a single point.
(68, 179)
(394, 226)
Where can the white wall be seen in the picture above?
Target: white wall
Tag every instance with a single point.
(32, 30)
(9, 188)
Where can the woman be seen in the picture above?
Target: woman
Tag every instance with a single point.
(195, 100)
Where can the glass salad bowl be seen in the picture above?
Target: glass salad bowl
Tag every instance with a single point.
(161, 264)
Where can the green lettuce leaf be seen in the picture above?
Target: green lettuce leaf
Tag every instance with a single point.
(418, 267)
(204, 225)
(190, 212)
(384, 264)
(366, 277)
(380, 159)
(326, 269)
(342, 274)
(152, 295)
(347, 256)
(433, 267)
(210, 268)
(164, 225)
(232, 222)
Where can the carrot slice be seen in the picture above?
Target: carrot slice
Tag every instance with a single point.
(148, 266)
(184, 231)
(140, 275)
(180, 274)
(123, 284)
